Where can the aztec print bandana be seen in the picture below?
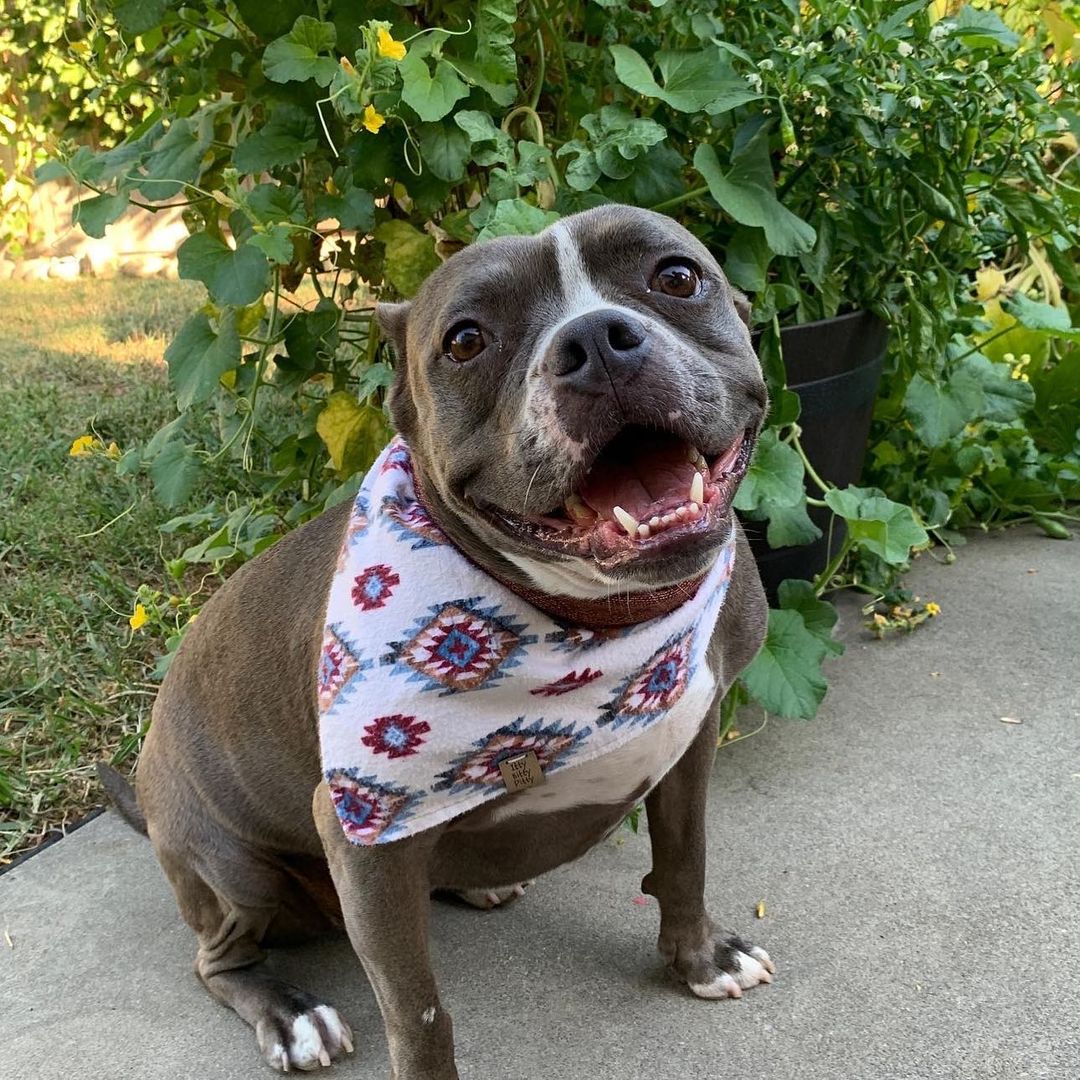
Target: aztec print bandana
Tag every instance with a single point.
(432, 672)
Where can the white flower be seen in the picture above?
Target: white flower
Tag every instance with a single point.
(766, 65)
(1010, 109)
(982, 67)
(822, 109)
(1062, 124)
(754, 79)
(840, 33)
(938, 31)
(905, 48)
(813, 48)
(915, 101)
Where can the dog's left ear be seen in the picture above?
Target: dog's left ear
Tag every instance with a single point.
(742, 305)
(393, 319)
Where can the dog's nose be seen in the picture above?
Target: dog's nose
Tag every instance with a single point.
(598, 349)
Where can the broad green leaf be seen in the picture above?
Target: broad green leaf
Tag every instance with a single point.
(445, 150)
(789, 526)
(276, 202)
(285, 138)
(275, 242)
(95, 214)
(237, 277)
(748, 193)
(935, 203)
(431, 97)
(311, 338)
(747, 258)
(482, 130)
(619, 137)
(1005, 399)
(693, 81)
(657, 177)
(1045, 318)
(887, 529)
(175, 472)
(349, 431)
(138, 16)
(819, 615)
(533, 165)
(939, 410)
(785, 677)
(775, 475)
(175, 159)
(355, 209)
(296, 57)
(199, 356)
(271, 20)
(984, 28)
(495, 55)
(516, 217)
(410, 255)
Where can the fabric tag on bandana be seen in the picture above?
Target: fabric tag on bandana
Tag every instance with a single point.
(521, 772)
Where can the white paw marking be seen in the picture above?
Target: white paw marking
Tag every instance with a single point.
(722, 986)
(428, 1015)
(762, 957)
(340, 1033)
(750, 972)
(305, 1043)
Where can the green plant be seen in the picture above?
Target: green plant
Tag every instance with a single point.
(835, 155)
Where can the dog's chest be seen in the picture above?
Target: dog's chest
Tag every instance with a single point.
(623, 774)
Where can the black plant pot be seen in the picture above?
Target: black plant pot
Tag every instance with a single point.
(834, 365)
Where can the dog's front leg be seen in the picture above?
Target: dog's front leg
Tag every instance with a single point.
(712, 963)
(385, 901)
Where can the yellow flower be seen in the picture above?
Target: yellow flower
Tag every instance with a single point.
(373, 120)
(988, 283)
(112, 452)
(346, 66)
(388, 47)
(139, 619)
(933, 609)
(83, 446)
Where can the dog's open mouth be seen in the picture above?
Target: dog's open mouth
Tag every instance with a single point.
(646, 491)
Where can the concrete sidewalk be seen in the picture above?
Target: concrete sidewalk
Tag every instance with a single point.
(920, 862)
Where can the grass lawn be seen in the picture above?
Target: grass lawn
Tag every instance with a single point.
(75, 358)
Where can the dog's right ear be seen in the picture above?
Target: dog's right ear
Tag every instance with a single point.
(393, 319)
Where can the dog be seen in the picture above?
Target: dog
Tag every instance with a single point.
(578, 408)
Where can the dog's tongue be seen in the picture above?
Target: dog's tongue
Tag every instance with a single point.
(641, 473)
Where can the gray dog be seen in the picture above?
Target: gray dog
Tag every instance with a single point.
(580, 407)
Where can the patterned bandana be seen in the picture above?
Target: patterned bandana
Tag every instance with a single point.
(432, 672)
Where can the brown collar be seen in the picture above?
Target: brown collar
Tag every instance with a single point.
(603, 613)
(607, 612)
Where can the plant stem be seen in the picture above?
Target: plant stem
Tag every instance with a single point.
(822, 580)
(797, 446)
(667, 204)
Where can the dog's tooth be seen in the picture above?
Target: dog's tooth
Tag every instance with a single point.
(667, 519)
(697, 488)
(654, 522)
(693, 508)
(680, 513)
(627, 521)
(644, 532)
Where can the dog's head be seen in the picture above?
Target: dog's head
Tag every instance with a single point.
(581, 404)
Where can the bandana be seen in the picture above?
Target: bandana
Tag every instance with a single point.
(433, 673)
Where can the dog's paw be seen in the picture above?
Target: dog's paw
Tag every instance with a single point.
(485, 899)
(304, 1040)
(720, 967)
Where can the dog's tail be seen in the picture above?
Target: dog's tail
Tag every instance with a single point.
(122, 796)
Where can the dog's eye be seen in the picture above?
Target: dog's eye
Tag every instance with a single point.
(465, 341)
(675, 278)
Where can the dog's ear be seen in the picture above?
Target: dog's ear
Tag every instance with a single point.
(742, 305)
(393, 319)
